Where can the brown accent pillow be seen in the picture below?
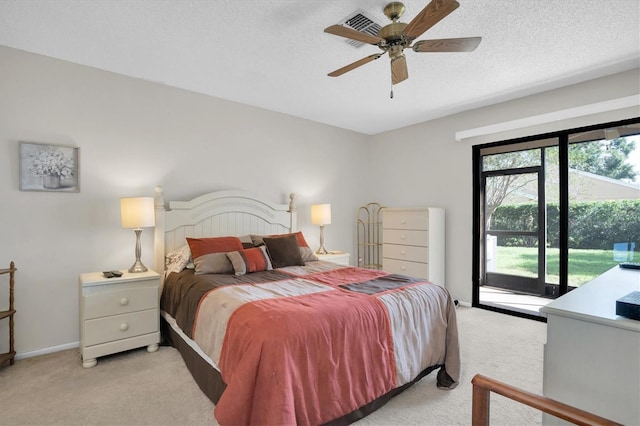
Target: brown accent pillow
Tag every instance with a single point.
(305, 251)
(209, 254)
(284, 251)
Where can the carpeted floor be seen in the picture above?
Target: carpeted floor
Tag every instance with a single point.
(140, 388)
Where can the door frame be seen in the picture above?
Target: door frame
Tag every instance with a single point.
(478, 246)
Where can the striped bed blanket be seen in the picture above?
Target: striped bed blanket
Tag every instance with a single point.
(309, 344)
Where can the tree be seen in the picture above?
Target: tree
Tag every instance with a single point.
(604, 158)
(500, 187)
(600, 157)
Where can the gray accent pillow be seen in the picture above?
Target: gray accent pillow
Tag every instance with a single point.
(213, 263)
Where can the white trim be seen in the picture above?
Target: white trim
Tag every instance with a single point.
(465, 304)
(563, 114)
(48, 350)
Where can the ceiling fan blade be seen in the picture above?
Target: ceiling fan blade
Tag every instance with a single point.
(465, 44)
(354, 65)
(433, 13)
(399, 72)
(347, 32)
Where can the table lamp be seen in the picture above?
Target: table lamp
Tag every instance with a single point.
(321, 215)
(137, 213)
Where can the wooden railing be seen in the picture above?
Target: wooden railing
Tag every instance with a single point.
(482, 386)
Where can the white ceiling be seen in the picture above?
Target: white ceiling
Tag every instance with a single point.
(274, 54)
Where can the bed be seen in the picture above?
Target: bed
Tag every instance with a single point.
(274, 336)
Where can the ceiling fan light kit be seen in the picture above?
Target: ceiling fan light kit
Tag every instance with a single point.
(397, 36)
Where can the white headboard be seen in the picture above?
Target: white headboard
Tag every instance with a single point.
(222, 213)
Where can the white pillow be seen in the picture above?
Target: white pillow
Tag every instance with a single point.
(178, 259)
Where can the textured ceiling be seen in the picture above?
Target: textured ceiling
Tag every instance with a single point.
(274, 54)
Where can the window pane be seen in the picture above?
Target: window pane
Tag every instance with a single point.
(511, 160)
(604, 206)
(512, 258)
(511, 202)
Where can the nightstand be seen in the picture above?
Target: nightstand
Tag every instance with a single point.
(339, 257)
(118, 314)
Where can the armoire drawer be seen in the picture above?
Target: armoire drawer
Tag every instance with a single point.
(414, 269)
(405, 252)
(402, 237)
(406, 219)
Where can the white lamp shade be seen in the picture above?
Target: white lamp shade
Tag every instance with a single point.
(137, 212)
(321, 214)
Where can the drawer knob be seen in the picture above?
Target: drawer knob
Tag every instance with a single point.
(403, 221)
(403, 252)
(402, 267)
(124, 326)
(402, 237)
(124, 301)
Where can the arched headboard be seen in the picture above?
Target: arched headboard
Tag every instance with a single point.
(222, 213)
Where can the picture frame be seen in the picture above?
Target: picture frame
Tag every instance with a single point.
(49, 168)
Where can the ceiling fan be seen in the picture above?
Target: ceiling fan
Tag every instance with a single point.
(397, 36)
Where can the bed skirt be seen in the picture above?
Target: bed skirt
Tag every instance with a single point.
(210, 380)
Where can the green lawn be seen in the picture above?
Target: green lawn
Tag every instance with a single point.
(584, 265)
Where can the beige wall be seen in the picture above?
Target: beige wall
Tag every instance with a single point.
(424, 165)
(134, 135)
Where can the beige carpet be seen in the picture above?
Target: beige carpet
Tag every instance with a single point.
(140, 388)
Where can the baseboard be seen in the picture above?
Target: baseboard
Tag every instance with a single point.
(48, 350)
(465, 304)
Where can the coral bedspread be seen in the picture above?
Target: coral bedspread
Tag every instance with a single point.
(306, 345)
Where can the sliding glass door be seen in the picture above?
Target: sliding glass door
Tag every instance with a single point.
(604, 213)
(552, 213)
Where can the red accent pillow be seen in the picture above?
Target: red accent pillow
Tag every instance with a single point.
(301, 241)
(200, 246)
(250, 260)
(209, 254)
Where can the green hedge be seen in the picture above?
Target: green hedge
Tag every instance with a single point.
(592, 225)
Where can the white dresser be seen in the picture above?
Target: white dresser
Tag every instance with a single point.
(413, 242)
(118, 314)
(592, 355)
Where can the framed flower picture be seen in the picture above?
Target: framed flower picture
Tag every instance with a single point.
(45, 167)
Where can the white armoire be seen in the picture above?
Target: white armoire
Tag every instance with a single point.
(413, 242)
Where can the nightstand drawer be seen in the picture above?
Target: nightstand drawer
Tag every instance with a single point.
(411, 253)
(412, 238)
(119, 301)
(118, 327)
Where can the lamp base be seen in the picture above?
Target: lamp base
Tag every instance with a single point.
(322, 250)
(138, 267)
